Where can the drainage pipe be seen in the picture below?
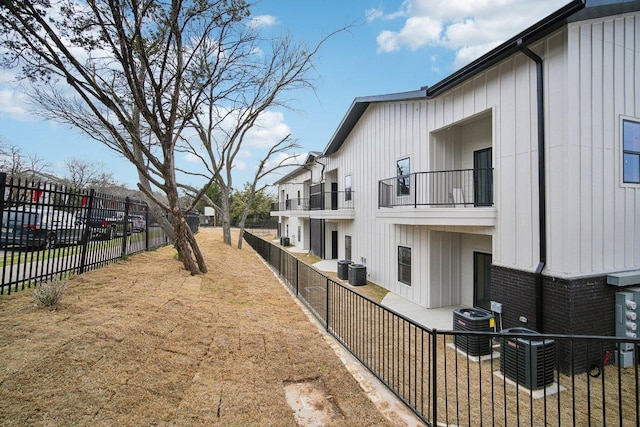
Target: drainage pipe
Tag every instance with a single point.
(542, 216)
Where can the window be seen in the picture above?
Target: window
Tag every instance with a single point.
(403, 170)
(347, 247)
(404, 265)
(299, 232)
(347, 188)
(631, 151)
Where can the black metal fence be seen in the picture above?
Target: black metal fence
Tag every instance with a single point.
(471, 378)
(50, 231)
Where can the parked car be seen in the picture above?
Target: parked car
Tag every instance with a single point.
(138, 223)
(106, 223)
(31, 227)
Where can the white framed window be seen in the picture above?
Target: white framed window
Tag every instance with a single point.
(630, 151)
(404, 265)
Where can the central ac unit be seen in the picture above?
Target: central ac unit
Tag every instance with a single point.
(473, 320)
(527, 361)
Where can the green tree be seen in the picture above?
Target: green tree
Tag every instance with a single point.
(259, 209)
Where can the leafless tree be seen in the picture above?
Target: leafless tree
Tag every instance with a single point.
(20, 165)
(141, 76)
(136, 67)
(87, 174)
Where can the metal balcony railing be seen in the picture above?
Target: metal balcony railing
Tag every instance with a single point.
(331, 200)
(291, 205)
(464, 187)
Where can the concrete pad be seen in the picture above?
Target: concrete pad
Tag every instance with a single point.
(549, 390)
(328, 265)
(310, 404)
(494, 354)
(432, 318)
(296, 250)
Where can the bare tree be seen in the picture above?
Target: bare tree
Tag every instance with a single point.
(223, 128)
(136, 67)
(143, 76)
(20, 165)
(86, 174)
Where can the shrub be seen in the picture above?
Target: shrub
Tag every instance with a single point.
(49, 294)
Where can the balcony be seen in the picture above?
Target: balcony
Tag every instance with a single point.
(291, 205)
(327, 205)
(456, 197)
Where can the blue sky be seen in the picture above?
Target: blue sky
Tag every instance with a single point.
(391, 46)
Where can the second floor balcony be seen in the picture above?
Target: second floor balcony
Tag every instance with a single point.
(465, 188)
(322, 204)
(439, 198)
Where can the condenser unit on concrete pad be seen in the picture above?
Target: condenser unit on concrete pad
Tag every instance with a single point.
(473, 320)
(527, 361)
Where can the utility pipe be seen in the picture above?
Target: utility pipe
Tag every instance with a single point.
(542, 216)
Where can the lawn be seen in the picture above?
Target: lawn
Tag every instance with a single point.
(142, 342)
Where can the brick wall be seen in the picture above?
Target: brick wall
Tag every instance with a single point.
(572, 307)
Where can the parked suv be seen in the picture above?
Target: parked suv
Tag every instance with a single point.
(106, 223)
(31, 227)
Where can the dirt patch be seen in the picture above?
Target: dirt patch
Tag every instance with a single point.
(142, 342)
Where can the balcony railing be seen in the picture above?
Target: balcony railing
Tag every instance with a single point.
(465, 187)
(291, 205)
(331, 200)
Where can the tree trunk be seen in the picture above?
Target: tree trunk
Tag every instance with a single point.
(226, 215)
(182, 244)
(241, 236)
(196, 251)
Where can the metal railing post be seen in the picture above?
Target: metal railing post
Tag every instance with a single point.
(86, 235)
(297, 276)
(327, 306)
(434, 371)
(125, 227)
(146, 226)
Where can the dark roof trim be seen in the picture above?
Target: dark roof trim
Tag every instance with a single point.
(308, 160)
(508, 48)
(535, 32)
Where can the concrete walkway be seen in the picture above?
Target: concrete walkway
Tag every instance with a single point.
(433, 318)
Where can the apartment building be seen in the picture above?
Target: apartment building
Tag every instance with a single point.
(515, 180)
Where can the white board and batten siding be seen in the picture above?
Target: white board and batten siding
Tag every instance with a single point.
(593, 221)
(594, 218)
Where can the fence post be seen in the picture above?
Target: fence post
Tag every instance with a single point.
(87, 232)
(434, 371)
(125, 227)
(3, 184)
(327, 306)
(297, 275)
(146, 226)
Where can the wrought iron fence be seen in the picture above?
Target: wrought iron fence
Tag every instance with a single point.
(471, 378)
(50, 231)
(467, 187)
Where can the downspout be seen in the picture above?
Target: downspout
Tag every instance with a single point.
(542, 220)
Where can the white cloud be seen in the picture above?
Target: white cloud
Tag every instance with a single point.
(468, 27)
(12, 104)
(270, 129)
(262, 21)
(373, 14)
(192, 158)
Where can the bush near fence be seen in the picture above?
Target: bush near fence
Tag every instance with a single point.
(50, 231)
(444, 386)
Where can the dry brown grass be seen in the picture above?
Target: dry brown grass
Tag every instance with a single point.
(142, 342)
